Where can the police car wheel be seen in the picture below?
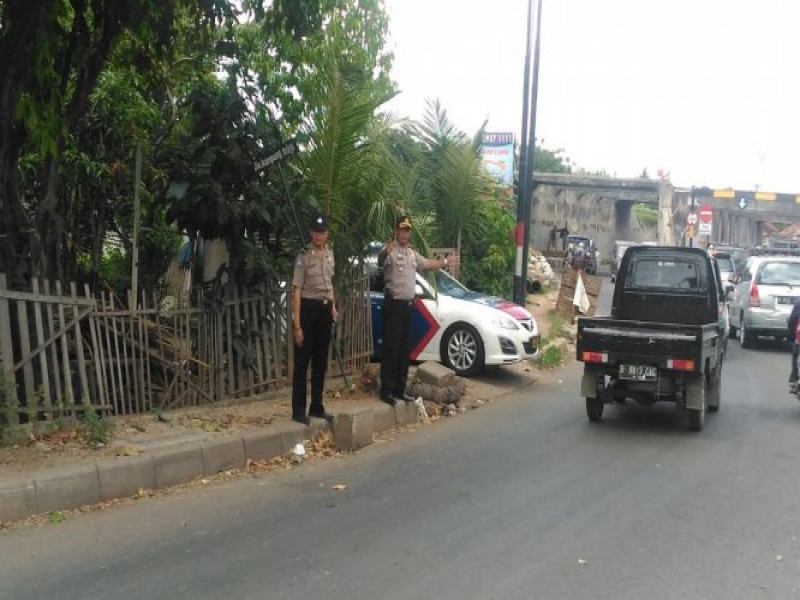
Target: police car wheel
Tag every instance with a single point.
(462, 349)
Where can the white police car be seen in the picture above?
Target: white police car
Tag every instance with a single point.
(463, 330)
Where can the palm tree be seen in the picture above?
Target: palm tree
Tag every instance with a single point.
(348, 167)
(456, 183)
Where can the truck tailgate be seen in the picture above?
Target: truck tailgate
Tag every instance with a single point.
(643, 342)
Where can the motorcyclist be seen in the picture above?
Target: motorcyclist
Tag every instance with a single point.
(794, 318)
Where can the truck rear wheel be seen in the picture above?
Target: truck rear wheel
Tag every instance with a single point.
(594, 409)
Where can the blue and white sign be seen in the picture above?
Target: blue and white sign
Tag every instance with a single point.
(742, 203)
(497, 156)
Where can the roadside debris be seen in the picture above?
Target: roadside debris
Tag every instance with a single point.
(298, 452)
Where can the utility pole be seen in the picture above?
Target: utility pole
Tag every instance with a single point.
(520, 264)
(526, 236)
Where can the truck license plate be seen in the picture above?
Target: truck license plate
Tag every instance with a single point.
(637, 372)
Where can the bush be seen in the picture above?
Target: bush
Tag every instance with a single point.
(550, 357)
(95, 430)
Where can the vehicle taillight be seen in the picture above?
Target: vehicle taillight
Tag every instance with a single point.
(680, 364)
(595, 357)
(754, 299)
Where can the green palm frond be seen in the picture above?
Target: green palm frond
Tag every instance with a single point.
(350, 167)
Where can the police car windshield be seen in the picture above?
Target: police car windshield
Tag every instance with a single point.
(448, 285)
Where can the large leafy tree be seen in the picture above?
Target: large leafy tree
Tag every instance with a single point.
(52, 56)
(322, 90)
(52, 53)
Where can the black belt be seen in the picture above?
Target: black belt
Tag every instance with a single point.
(316, 300)
(390, 298)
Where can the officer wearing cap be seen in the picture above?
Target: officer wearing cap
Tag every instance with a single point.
(400, 264)
(314, 312)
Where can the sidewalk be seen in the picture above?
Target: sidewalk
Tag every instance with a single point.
(152, 452)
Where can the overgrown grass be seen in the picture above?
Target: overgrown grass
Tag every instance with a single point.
(56, 517)
(550, 357)
(555, 326)
(95, 430)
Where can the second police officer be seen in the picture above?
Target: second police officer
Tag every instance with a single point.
(314, 311)
(400, 263)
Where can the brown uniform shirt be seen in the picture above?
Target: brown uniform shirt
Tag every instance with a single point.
(399, 271)
(313, 274)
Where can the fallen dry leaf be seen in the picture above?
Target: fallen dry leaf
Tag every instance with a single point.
(128, 451)
(339, 487)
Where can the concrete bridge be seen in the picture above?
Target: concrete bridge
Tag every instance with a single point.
(602, 208)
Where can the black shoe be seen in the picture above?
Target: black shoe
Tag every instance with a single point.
(404, 397)
(322, 415)
(302, 419)
(388, 398)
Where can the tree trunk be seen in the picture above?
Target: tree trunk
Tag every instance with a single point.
(24, 22)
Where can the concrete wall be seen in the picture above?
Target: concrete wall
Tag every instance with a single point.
(598, 215)
(602, 208)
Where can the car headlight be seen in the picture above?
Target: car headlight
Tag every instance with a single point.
(505, 323)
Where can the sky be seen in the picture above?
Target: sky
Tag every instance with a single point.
(705, 90)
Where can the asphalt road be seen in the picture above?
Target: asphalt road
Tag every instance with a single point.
(521, 499)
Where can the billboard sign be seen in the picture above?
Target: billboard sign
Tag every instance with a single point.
(497, 156)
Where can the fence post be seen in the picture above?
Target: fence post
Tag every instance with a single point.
(8, 385)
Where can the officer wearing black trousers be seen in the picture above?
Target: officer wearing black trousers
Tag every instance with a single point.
(400, 263)
(314, 312)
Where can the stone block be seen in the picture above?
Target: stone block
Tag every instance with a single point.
(67, 488)
(383, 417)
(353, 430)
(124, 477)
(17, 499)
(223, 454)
(405, 413)
(177, 465)
(435, 374)
(263, 444)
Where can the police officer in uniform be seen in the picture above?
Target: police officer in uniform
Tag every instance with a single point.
(400, 264)
(314, 312)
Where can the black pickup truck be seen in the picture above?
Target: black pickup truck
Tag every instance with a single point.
(666, 336)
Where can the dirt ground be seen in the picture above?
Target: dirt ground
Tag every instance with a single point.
(71, 444)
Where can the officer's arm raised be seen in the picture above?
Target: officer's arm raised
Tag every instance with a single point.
(387, 248)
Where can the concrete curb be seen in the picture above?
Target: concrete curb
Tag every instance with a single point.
(72, 486)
